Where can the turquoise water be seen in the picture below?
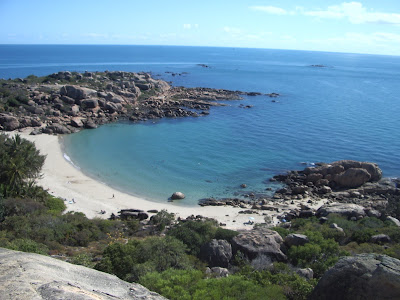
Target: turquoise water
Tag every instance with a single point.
(346, 110)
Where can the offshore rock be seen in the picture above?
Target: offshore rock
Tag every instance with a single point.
(178, 196)
(26, 276)
(364, 276)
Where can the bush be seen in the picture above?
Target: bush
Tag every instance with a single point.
(319, 254)
(27, 245)
(133, 260)
(55, 205)
(161, 219)
(194, 234)
(191, 284)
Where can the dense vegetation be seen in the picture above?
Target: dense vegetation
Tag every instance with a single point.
(163, 254)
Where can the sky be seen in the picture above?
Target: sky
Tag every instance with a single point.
(355, 26)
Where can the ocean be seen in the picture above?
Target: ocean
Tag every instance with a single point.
(348, 109)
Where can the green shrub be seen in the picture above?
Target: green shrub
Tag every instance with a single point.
(225, 234)
(319, 254)
(191, 284)
(194, 234)
(27, 245)
(133, 260)
(55, 205)
(161, 219)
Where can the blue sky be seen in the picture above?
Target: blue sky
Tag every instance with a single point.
(353, 26)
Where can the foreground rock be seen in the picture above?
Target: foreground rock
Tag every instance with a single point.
(364, 276)
(33, 276)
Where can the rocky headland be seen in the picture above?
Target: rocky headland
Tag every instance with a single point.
(352, 188)
(66, 102)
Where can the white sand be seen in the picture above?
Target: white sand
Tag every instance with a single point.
(63, 180)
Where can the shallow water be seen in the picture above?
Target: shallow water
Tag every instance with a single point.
(346, 110)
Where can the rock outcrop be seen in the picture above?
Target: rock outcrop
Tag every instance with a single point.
(102, 97)
(259, 242)
(344, 209)
(217, 253)
(364, 276)
(32, 276)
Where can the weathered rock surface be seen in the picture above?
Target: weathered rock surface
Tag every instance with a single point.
(295, 239)
(364, 276)
(9, 122)
(32, 276)
(259, 242)
(77, 92)
(380, 239)
(217, 272)
(217, 253)
(352, 178)
(344, 209)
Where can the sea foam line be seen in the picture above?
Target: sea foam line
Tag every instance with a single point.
(68, 159)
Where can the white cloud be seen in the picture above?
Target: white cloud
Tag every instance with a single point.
(95, 35)
(232, 30)
(190, 26)
(354, 12)
(270, 9)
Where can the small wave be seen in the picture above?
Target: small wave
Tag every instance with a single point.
(68, 159)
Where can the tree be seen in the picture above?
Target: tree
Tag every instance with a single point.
(20, 164)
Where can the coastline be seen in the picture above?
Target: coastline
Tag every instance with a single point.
(64, 180)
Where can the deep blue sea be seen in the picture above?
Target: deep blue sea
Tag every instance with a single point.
(349, 109)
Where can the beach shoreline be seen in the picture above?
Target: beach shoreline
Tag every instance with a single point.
(89, 196)
(82, 193)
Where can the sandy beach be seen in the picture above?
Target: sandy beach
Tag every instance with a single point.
(84, 194)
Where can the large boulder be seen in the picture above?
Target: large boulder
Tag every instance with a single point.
(352, 178)
(77, 122)
(77, 92)
(56, 128)
(34, 276)
(111, 97)
(373, 170)
(217, 253)
(348, 210)
(90, 103)
(113, 107)
(178, 196)
(8, 122)
(296, 239)
(259, 242)
(363, 276)
(344, 173)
